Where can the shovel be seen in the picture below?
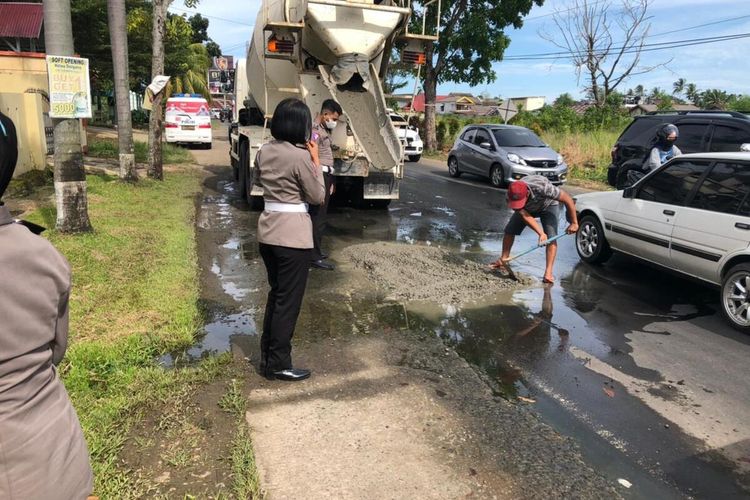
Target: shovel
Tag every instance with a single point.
(506, 265)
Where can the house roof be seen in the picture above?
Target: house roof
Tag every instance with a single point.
(21, 20)
(419, 102)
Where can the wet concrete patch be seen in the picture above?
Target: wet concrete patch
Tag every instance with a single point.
(423, 272)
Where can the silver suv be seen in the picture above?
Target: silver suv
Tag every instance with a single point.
(504, 153)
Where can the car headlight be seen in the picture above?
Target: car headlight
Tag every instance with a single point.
(514, 158)
(560, 160)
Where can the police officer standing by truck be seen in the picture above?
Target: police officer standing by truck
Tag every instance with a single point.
(323, 124)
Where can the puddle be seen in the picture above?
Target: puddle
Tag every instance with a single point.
(218, 337)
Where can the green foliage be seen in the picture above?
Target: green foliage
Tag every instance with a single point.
(107, 148)
(473, 37)
(199, 26)
(139, 118)
(135, 295)
(441, 131)
(189, 70)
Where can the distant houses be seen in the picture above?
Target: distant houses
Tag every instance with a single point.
(465, 104)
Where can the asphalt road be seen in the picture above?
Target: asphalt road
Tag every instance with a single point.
(634, 362)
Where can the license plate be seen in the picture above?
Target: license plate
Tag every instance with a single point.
(545, 173)
(188, 127)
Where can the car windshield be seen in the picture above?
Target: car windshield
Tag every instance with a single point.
(396, 118)
(517, 138)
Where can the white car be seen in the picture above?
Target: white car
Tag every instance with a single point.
(409, 135)
(188, 120)
(692, 215)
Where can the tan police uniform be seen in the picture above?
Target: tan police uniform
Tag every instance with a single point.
(43, 454)
(291, 182)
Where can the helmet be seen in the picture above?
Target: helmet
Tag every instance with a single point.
(667, 130)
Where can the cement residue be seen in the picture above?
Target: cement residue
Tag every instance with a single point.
(417, 272)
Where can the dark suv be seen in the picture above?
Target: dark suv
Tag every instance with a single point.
(700, 131)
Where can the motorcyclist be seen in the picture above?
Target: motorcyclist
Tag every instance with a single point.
(663, 149)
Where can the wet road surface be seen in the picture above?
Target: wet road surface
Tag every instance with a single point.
(634, 363)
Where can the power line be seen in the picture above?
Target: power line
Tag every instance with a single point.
(212, 17)
(712, 23)
(648, 47)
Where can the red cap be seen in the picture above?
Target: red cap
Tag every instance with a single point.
(518, 193)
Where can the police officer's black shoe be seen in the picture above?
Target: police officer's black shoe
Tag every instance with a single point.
(322, 264)
(290, 375)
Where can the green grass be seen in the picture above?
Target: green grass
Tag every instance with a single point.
(245, 479)
(587, 153)
(107, 148)
(135, 296)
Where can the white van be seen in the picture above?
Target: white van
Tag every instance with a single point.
(188, 120)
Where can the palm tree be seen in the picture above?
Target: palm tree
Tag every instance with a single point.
(70, 177)
(192, 80)
(715, 99)
(678, 87)
(691, 92)
(639, 90)
(119, 39)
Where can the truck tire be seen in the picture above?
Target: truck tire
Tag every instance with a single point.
(243, 172)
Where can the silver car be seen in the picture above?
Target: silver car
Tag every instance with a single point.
(504, 153)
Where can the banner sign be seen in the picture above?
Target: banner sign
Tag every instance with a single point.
(221, 75)
(69, 87)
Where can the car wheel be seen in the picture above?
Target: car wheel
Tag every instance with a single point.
(735, 297)
(591, 243)
(415, 158)
(453, 167)
(497, 179)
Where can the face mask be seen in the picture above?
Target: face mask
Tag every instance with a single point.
(331, 124)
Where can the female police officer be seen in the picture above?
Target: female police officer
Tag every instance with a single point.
(289, 171)
(42, 451)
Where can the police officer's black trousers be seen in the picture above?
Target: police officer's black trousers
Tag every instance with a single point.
(287, 270)
(318, 215)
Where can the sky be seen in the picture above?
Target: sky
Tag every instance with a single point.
(723, 65)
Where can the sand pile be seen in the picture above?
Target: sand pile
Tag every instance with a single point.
(416, 272)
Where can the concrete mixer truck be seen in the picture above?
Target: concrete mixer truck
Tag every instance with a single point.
(331, 49)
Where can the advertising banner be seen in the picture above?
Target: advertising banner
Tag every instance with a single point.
(69, 87)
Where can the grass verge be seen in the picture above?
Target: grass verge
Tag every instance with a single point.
(135, 295)
(107, 148)
(245, 481)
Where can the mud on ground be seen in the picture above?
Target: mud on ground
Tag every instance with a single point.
(419, 272)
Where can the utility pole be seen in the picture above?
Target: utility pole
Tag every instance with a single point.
(119, 39)
(70, 176)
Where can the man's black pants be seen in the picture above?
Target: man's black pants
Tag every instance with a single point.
(318, 215)
(287, 270)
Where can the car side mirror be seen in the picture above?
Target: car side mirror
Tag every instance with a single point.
(628, 192)
(485, 145)
(745, 147)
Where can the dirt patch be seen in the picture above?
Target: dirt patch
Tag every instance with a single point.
(417, 272)
(183, 446)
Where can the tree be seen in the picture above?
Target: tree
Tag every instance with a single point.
(213, 48)
(199, 25)
(603, 41)
(471, 39)
(71, 199)
(155, 165)
(564, 100)
(692, 93)
(639, 90)
(190, 78)
(119, 37)
(678, 87)
(715, 99)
